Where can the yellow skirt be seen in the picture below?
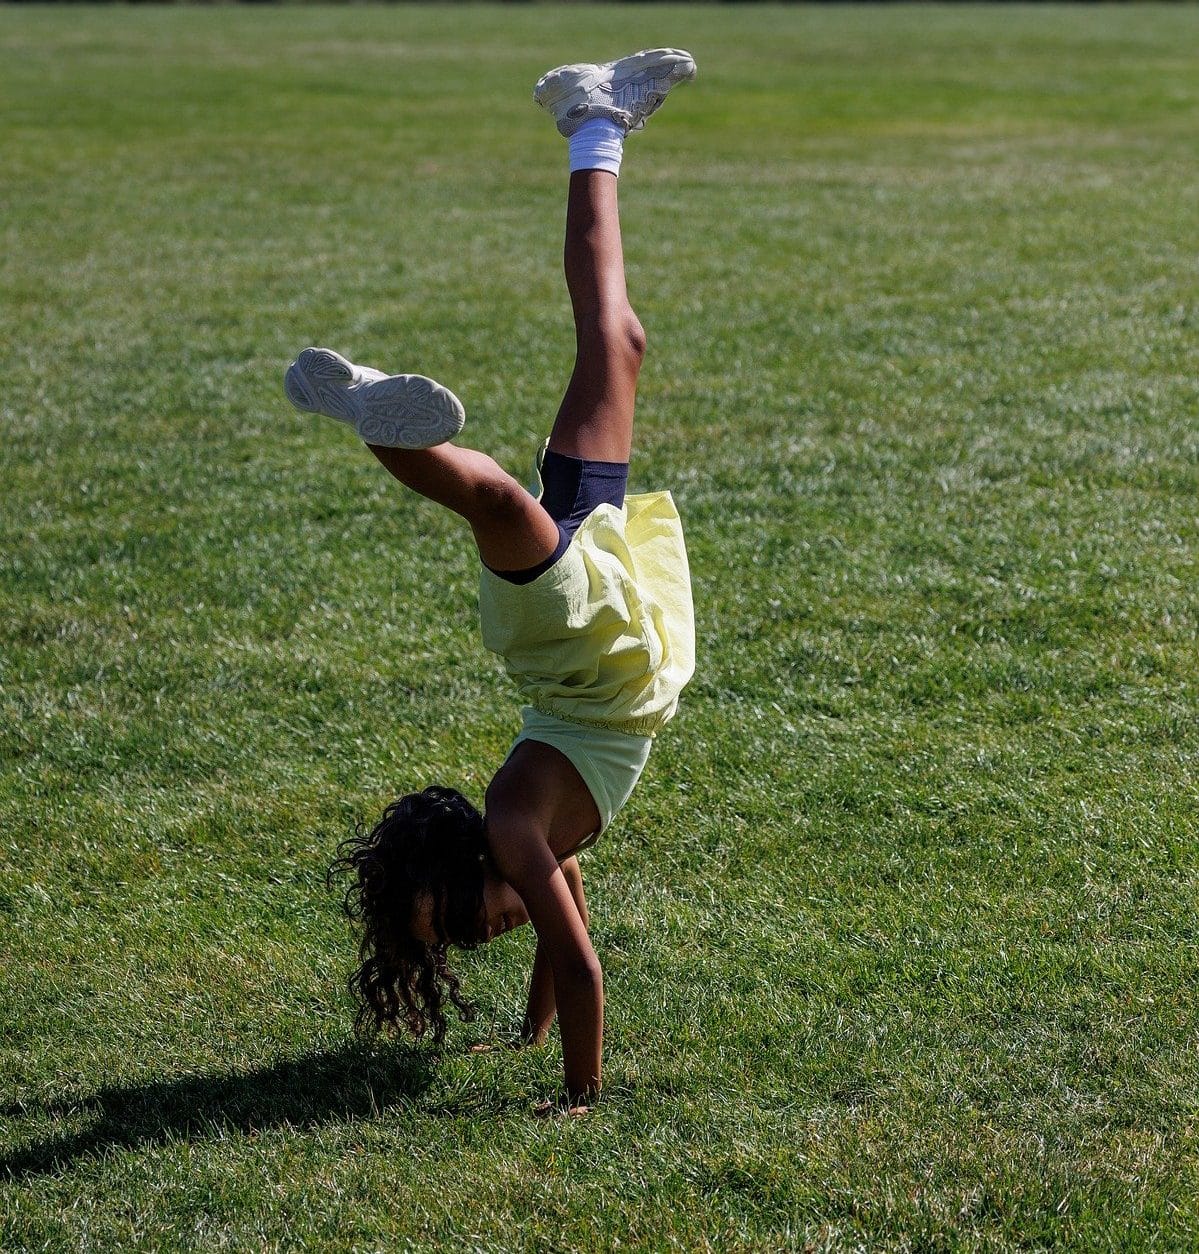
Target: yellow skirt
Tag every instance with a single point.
(606, 636)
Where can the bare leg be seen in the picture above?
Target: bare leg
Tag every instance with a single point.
(511, 529)
(595, 420)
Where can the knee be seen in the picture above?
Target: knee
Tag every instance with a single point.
(634, 334)
(617, 338)
(498, 502)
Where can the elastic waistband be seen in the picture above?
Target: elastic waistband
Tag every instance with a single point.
(644, 726)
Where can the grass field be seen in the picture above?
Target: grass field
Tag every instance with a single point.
(899, 931)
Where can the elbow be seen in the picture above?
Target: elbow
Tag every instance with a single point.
(584, 974)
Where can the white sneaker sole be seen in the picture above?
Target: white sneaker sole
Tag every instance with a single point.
(572, 93)
(395, 411)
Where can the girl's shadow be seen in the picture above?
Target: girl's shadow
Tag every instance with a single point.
(352, 1082)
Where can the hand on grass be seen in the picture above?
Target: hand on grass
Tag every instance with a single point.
(548, 1109)
(526, 1040)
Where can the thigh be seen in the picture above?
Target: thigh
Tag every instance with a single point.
(595, 419)
(594, 424)
(573, 487)
(511, 529)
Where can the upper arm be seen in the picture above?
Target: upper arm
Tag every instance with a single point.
(574, 880)
(525, 860)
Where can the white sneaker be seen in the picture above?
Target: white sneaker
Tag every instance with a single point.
(394, 410)
(627, 91)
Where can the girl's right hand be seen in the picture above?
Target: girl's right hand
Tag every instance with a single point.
(547, 1109)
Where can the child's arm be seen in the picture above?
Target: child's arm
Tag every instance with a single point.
(523, 857)
(541, 1008)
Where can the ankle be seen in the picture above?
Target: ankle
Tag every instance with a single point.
(597, 145)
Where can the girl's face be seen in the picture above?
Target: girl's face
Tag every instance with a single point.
(502, 911)
(502, 907)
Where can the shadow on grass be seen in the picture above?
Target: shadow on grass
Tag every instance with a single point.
(323, 1087)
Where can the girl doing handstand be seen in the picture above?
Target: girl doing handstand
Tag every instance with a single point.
(584, 593)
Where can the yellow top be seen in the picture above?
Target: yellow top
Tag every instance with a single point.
(606, 636)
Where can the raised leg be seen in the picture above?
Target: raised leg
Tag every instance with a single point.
(595, 419)
(594, 106)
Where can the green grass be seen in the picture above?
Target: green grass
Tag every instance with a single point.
(899, 931)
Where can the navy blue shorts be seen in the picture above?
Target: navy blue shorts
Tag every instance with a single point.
(572, 489)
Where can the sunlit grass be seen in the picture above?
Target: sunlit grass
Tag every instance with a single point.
(899, 930)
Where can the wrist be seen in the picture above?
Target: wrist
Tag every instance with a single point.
(533, 1033)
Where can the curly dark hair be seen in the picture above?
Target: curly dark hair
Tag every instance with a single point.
(427, 844)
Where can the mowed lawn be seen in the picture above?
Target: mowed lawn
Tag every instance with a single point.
(899, 931)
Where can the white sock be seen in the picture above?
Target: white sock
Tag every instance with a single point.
(597, 145)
